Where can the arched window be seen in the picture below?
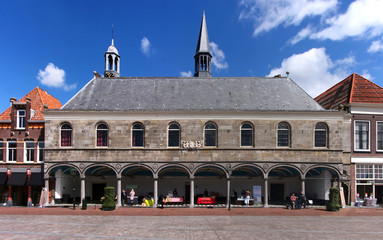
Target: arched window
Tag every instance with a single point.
(321, 135)
(174, 134)
(138, 135)
(283, 134)
(66, 135)
(102, 135)
(246, 135)
(110, 58)
(210, 135)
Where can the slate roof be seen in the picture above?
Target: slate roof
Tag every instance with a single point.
(353, 89)
(38, 98)
(192, 94)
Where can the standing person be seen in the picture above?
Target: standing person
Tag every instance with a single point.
(132, 193)
(293, 200)
(247, 199)
(243, 193)
(43, 197)
(302, 199)
(123, 197)
(175, 193)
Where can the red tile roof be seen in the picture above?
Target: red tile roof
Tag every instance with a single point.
(38, 98)
(353, 89)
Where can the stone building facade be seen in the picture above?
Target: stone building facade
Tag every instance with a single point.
(195, 135)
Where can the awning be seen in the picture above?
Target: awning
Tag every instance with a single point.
(36, 179)
(3, 175)
(17, 179)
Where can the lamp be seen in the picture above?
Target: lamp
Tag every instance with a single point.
(73, 172)
(230, 170)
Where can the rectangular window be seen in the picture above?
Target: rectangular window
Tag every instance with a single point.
(364, 171)
(246, 137)
(40, 152)
(283, 138)
(1, 150)
(29, 151)
(12, 151)
(362, 136)
(379, 136)
(378, 171)
(20, 119)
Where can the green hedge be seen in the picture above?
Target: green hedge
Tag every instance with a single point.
(108, 203)
(333, 204)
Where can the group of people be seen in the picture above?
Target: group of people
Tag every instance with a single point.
(125, 197)
(298, 202)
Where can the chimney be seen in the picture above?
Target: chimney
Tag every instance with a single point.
(13, 99)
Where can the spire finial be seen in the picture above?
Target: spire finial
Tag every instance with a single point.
(113, 34)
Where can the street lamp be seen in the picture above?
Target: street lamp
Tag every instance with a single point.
(73, 172)
(230, 170)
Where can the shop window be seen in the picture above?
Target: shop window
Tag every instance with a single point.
(66, 135)
(283, 134)
(21, 119)
(246, 135)
(321, 135)
(40, 151)
(138, 135)
(210, 135)
(362, 136)
(102, 135)
(12, 151)
(174, 135)
(29, 151)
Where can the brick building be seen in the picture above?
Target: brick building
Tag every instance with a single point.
(22, 148)
(363, 99)
(194, 136)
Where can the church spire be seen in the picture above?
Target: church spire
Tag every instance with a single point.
(203, 56)
(112, 60)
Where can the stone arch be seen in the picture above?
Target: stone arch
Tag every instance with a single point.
(224, 170)
(100, 165)
(49, 169)
(282, 166)
(172, 165)
(132, 165)
(323, 166)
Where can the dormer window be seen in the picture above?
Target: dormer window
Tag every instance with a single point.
(21, 119)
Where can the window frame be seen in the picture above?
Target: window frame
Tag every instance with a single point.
(368, 136)
(288, 135)
(377, 145)
(174, 130)
(251, 136)
(106, 136)
(66, 130)
(1, 150)
(321, 130)
(19, 117)
(216, 135)
(14, 150)
(29, 152)
(142, 130)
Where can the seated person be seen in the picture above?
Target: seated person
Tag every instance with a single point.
(293, 200)
(205, 193)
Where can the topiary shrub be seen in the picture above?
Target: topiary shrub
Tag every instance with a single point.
(333, 204)
(108, 203)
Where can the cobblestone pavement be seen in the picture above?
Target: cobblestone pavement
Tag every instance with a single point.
(57, 223)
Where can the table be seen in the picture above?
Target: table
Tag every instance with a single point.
(174, 200)
(206, 200)
(241, 201)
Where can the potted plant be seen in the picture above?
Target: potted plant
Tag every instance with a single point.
(333, 204)
(108, 203)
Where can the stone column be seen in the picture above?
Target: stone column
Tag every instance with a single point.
(107, 62)
(155, 192)
(9, 202)
(82, 188)
(118, 191)
(303, 181)
(228, 193)
(266, 198)
(114, 63)
(47, 191)
(192, 192)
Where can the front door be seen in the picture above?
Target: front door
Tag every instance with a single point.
(277, 192)
(98, 191)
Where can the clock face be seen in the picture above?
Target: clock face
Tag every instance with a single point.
(108, 74)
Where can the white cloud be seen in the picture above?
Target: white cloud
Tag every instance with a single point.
(363, 19)
(376, 46)
(53, 76)
(186, 74)
(269, 14)
(218, 59)
(367, 75)
(314, 70)
(145, 46)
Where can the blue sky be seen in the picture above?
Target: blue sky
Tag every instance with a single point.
(57, 45)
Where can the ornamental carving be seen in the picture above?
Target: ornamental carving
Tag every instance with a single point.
(118, 166)
(191, 144)
(340, 167)
(155, 166)
(191, 166)
(265, 166)
(303, 167)
(228, 166)
(82, 166)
